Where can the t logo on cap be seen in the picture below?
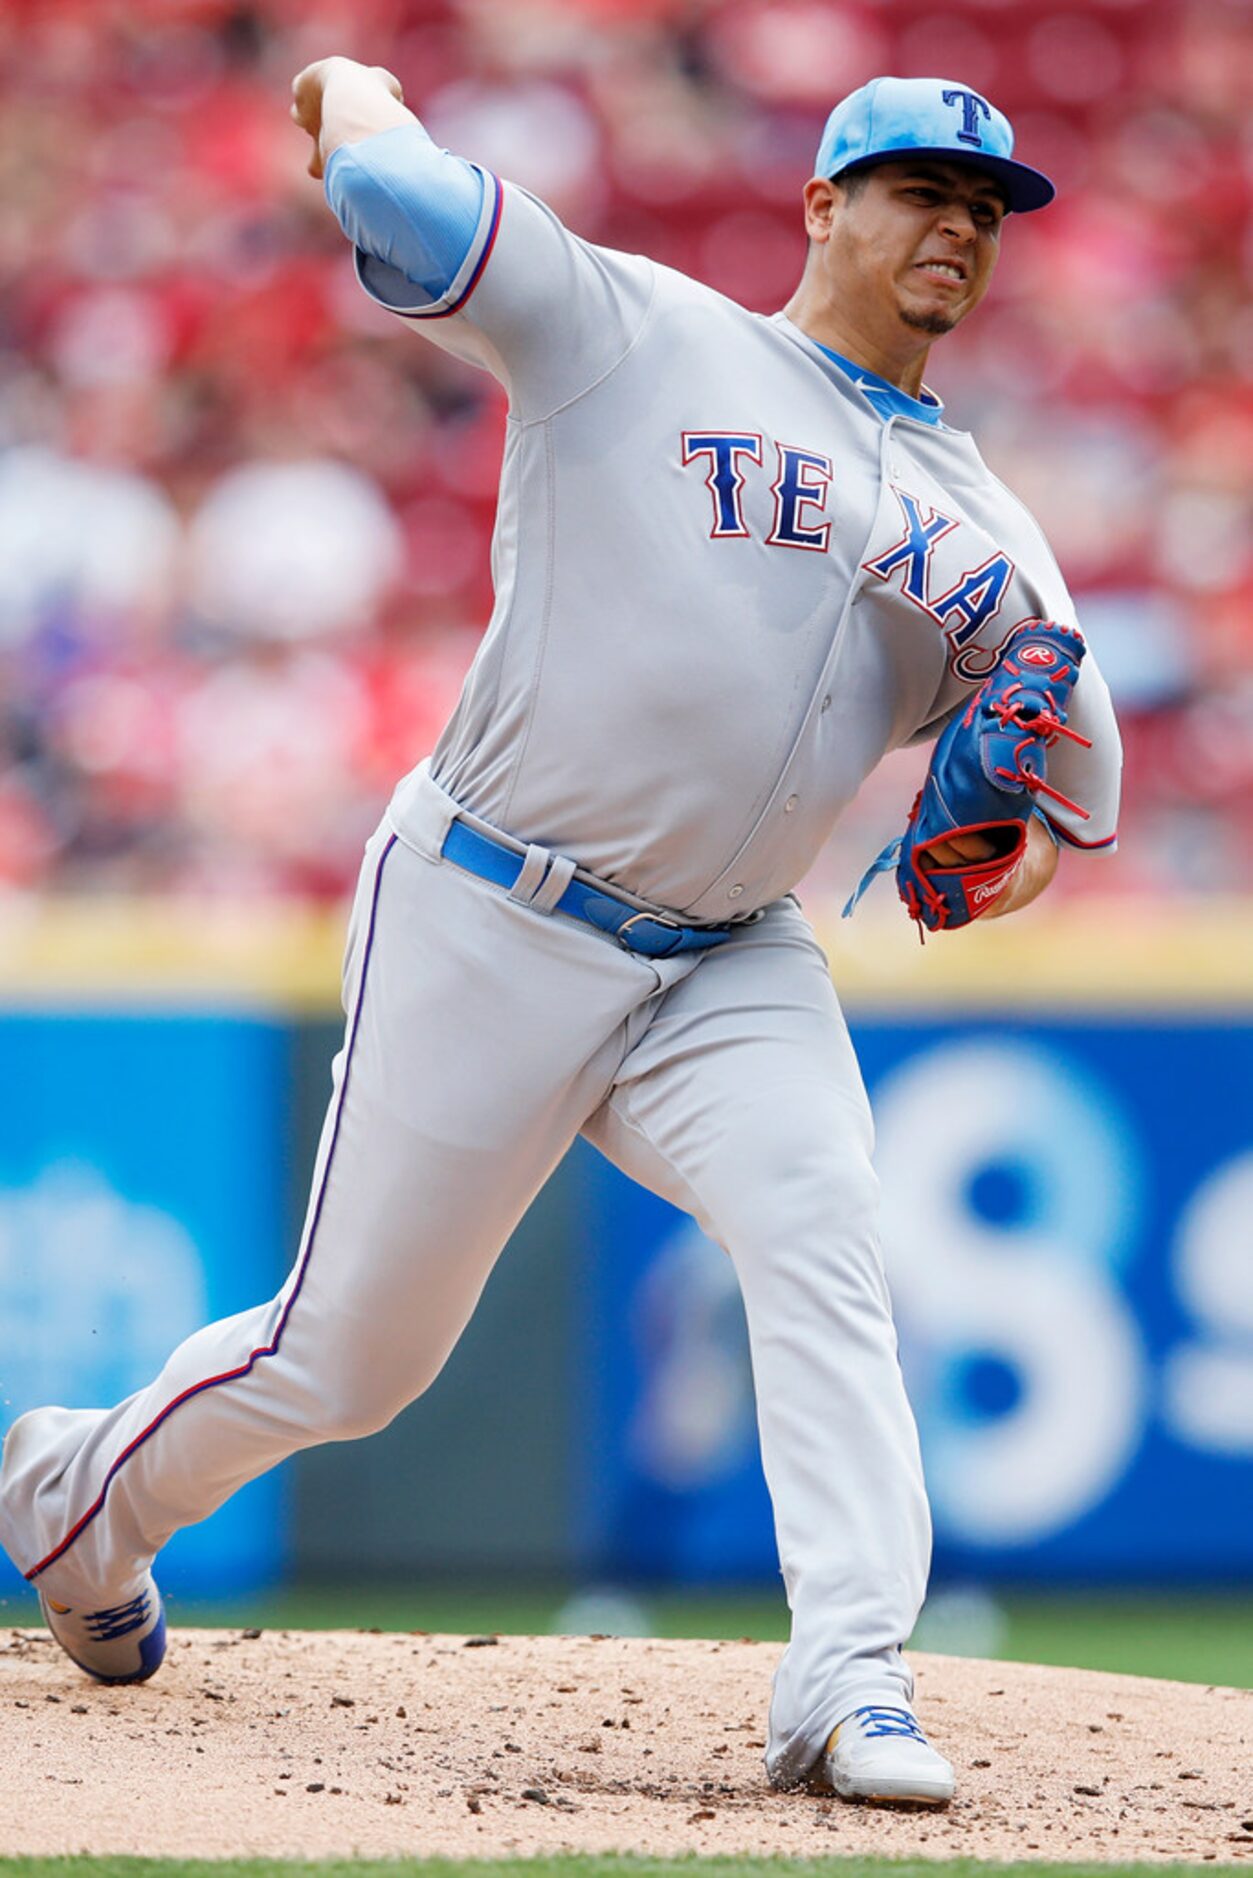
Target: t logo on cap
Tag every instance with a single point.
(928, 117)
(971, 104)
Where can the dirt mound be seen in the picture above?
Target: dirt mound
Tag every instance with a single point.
(327, 1744)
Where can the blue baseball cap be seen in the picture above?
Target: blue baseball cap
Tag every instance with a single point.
(929, 117)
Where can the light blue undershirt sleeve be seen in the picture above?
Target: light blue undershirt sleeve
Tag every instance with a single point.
(411, 209)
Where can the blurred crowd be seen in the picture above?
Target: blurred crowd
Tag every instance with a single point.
(245, 518)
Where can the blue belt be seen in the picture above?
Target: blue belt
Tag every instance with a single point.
(652, 934)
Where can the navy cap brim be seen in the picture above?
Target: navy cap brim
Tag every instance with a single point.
(1025, 188)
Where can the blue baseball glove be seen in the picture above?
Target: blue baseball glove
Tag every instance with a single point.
(986, 773)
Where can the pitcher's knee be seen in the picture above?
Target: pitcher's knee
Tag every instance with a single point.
(358, 1395)
(337, 1378)
(350, 1418)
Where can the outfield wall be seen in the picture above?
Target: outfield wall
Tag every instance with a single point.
(1065, 1120)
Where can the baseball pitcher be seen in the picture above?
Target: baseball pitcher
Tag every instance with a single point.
(737, 559)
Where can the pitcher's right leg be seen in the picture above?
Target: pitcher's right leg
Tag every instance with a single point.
(480, 1035)
(743, 1103)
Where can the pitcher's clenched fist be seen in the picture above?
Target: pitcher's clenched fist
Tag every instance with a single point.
(358, 104)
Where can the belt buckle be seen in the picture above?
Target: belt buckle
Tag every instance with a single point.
(655, 919)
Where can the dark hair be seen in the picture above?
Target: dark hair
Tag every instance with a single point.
(850, 183)
(853, 181)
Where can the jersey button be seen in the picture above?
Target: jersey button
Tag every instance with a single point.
(790, 804)
(733, 893)
(826, 702)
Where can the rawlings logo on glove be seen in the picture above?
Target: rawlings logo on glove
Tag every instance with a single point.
(986, 771)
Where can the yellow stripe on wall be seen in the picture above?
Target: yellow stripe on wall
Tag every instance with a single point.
(1083, 954)
(1091, 953)
(173, 953)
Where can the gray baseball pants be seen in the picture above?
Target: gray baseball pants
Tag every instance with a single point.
(483, 1036)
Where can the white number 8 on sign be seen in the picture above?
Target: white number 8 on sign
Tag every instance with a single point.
(1008, 1193)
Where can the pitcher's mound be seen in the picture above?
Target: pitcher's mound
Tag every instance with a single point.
(331, 1744)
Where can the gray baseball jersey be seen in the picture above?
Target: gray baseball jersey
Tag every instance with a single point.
(725, 585)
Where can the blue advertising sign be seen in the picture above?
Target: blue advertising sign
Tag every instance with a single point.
(142, 1194)
(1067, 1208)
(668, 1475)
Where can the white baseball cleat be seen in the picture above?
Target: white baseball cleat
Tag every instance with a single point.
(123, 1644)
(881, 1753)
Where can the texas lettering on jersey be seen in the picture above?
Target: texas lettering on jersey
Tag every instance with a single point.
(961, 609)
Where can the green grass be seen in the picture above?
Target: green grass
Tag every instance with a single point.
(1185, 1639)
(567, 1866)
(496, 1608)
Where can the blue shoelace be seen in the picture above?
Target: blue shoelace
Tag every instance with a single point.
(889, 1721)
(108, 1626)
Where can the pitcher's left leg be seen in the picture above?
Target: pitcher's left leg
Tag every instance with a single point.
(744, 1105)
